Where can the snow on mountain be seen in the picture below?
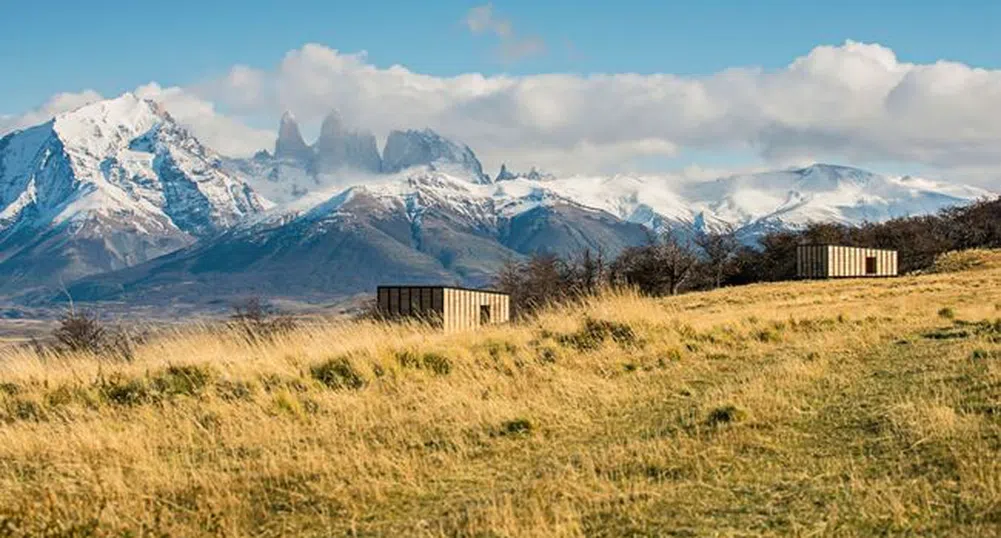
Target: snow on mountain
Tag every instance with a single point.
(118, 188)
(822, 193)
(406, 149)
(752, 203)
(108, 185)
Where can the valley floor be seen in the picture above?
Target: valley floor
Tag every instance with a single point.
(810, 408)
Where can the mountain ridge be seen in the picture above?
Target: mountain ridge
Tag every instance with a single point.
(117, 196)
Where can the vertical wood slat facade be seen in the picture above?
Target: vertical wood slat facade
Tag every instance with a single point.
(833, 261)
(453, 309)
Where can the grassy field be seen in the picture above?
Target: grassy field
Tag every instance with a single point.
(811, 408)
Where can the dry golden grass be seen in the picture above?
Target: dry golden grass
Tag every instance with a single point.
(965, 260)
(815, 408)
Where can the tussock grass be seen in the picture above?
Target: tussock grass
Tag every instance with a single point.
(830, 408)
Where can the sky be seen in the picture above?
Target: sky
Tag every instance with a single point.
(572, 86)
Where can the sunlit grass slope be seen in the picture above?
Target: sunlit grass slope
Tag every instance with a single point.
(811, 408)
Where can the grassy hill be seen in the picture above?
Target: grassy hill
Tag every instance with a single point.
(809, 408)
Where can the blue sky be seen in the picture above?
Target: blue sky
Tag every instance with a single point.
(720, 84)
(109, 47)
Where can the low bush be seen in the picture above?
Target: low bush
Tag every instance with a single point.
(186, 380)
(726, 414)
(431, 361)
(125, 391)
(593, 334)
(338, 373)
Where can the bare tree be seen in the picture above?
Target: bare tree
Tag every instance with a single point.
(659, 268)
(80, 331)
(546, 279)
(258, 320)
(719, 247)
(534, 283)
(586, 272)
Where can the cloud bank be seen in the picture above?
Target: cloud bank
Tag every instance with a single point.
(852, 103)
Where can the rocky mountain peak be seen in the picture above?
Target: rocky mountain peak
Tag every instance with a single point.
(338, 147)
(290, 144)
(532, 175)
(406, 149)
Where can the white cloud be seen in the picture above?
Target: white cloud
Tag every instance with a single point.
(222, 133)
(219, 132)
(59, 103)
(854, 104)
(483, 20)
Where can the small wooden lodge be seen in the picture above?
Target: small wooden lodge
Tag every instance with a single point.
(833, 261)
(451, 308)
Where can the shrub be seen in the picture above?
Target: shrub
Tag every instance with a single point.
(980, 354)
(80, 331)
(518, 426)
(725, 415)
(24, 409)
(594, 333)
(256, 320)
(234, 390)
(947, 313)
(120, 390)
(187, 380)
(768, 335)
(439, 364)
(547, 355)
(435, 362)
(337, 374)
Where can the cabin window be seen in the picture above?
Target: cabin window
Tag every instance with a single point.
(870, 265)
(484, 314)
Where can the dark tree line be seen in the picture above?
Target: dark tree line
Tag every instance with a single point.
(668, 265)
(918, 240)
(665, 265)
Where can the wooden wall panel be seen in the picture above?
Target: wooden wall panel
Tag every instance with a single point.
(831, 261)
(451, 309)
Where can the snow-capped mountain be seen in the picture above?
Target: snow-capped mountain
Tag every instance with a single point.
(419, 226)
(120, 194)
(341, 157)
(822, 193)
(106, 186)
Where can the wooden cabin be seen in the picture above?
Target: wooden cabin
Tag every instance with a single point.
(833, 261)
(451, 308)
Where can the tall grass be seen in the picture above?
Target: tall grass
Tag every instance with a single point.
(846, 407)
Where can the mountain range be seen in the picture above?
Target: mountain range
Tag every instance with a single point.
(116, 201)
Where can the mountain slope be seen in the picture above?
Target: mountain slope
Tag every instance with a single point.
(120, 197)
(416, 227)
(107, 186)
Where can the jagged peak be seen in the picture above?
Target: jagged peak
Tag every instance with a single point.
(290, 143)
(332, 123)
(413, 147)
(532, 175)
(504, 174)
